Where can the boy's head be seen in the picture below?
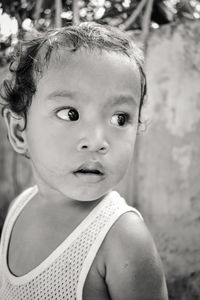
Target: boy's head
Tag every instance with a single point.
(74, 104)
(32, 58)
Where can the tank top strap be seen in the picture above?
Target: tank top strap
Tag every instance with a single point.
(13, 211)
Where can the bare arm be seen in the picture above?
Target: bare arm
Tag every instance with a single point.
(133, 267)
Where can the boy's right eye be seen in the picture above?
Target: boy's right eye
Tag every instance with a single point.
(68, 114)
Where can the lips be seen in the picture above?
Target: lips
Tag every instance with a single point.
(90, 168)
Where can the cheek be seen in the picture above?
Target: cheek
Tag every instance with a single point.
(124, 150)
(125, 155)
(50, 145)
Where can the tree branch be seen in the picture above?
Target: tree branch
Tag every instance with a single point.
(111, 14)
(146, 21)
(133, 16)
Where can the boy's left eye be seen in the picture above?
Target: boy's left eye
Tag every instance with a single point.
(68, 114)
(120, 119)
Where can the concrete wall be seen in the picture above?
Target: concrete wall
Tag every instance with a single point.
(168, 168)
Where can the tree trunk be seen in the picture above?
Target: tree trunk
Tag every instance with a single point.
(58, 9)
(75, 9)
(37, 11)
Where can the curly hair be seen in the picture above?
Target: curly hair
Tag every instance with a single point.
(31, 57)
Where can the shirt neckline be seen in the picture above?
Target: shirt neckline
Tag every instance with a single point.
(57, 251)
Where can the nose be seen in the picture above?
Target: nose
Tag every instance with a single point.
(93, 141)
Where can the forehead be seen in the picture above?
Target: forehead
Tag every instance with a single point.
(90, 72)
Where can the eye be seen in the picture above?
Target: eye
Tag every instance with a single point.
(68, 114)
(120, 119)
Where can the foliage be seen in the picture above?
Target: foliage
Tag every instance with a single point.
(22, 16)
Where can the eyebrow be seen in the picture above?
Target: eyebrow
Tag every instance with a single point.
(60, 94)
(123, 99)
(114, 100)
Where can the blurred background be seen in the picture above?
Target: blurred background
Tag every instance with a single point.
(163, 181)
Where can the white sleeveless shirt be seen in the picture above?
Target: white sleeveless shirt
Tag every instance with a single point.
(63, 273)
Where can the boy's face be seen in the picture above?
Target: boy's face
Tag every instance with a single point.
(82, 123)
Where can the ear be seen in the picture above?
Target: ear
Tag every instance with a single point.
(16, 134)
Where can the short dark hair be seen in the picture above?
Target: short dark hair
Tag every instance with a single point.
(31, 57)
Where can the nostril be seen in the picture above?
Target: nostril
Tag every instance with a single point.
(93, 146)
(84, 147)
(102, 148)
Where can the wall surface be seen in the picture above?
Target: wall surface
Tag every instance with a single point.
(168, 168)
(15, 172)
(164, 179)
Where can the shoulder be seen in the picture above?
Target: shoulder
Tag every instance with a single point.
(23, 196)
(131, 260)
(17, 205)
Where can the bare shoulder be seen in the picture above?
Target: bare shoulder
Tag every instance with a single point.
(133, 266)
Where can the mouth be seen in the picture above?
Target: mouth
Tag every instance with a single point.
(91, 169)
(88, 172)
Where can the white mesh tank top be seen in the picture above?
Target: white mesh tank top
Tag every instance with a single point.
(63, 273)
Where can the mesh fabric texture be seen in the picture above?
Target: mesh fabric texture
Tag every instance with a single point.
(58, 276)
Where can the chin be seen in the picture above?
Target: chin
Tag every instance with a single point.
(88, 195)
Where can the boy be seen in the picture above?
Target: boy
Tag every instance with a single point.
(73, 107)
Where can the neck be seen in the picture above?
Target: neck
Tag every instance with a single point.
(51, 197)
